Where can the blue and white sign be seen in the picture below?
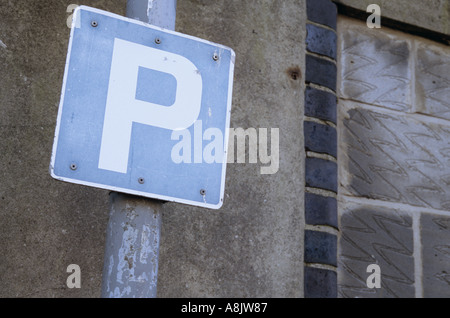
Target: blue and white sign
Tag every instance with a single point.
(144, 111)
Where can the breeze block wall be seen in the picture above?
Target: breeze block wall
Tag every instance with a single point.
(394, 162)
(321, 151)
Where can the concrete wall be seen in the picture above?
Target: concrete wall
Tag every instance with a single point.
(394, 164)
(252, 247)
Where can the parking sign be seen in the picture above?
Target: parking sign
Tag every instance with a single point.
(144, 111)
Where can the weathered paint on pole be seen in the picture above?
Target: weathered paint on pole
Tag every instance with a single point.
(132, 248)
(157, 12)
(132, 240)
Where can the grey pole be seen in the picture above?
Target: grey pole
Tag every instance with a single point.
(157, 12)
(130, 267)
(132, 248)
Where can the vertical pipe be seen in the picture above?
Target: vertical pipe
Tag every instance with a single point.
(157, 12)
(132, 248)
(130, 267)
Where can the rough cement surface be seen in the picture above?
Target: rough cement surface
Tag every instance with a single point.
(44, 225)
(251, 247)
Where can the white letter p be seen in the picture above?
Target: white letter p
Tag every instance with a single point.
(122, 107)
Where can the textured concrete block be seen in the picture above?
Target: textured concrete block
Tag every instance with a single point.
(372, 235)
(321, 41)
(320, 173)
(320, 210)
(320, 247)
(320, 104)
(435, 235)
(374, 66)
(320, 283)
(320, 71)
(322, 11)
(433, 80)
(394, 158)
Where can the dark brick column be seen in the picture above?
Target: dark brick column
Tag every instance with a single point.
(320, 280)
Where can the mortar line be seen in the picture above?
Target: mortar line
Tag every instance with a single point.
(322, 228)
(320, 121)
(322, 192)
(321, 266)
(412, 66)
(417, 255)
(321, 25)
(319, 155)
(376, 108)
(393, 205)
(320, 87)
(326, 58)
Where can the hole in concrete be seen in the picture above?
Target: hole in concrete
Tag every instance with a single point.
(294, 73)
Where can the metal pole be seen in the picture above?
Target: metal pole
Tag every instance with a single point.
(132, 238)
(157, 12)
(132, 248)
